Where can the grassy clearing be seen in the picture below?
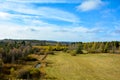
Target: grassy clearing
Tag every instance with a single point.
(83, 67)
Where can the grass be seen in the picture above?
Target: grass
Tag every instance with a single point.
(63, 66)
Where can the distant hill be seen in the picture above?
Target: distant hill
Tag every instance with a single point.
(35, 42)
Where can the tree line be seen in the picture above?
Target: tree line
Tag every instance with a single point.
(96, 47)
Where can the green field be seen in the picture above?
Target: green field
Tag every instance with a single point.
(63, 66)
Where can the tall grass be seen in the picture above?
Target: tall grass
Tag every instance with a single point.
(63, 66)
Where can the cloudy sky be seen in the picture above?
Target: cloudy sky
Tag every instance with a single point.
(60, 20)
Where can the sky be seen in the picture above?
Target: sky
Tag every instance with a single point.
(60, 20)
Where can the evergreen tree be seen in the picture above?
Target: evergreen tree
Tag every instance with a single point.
(85, 46)
(106, 48)
(93, 49)
(79, 49)
(101, 47)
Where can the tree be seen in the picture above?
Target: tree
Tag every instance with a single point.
(114, 46)
(23, 43)
(101, 47)
(58, 46)
(1, 65)
(93, 49)
(85, 46)
(50, 48)
(89, 46)
(1, 52)
(79, 49)
(12, 53)
(106, 47)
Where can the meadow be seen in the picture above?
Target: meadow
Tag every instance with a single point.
(38, 60)
(63, 66)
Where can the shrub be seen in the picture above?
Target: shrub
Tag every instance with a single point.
(79, 49)
(29, 58)
(68, 51)
(84, 51)
(23, 74)
(35, 73)
(42, 52)
(73, 53)
(50, 52)
(65, 50)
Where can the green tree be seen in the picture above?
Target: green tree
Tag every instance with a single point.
(106, 47)
(93, 49)
(58, 46)
(101, 47)
(1, 65)
(85, 46)
(50, 48)
(79, 49)
(1, 52)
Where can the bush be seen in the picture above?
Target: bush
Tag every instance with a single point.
(28, 74)
(68, 51)
(42, 52)
(65, 50)
(29, 58)
(79, 49)
(23, 74)
(73, 53)
(35, 73)
(84, 51)
(50, 52)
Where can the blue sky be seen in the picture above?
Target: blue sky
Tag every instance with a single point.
(60, 20)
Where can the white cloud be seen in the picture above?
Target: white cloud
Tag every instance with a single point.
(45, 32)
(41, 12)
(58, 14)
(88, 5)
(23, 21)
(4, 15)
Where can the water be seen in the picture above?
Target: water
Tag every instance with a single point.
(37, 66)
